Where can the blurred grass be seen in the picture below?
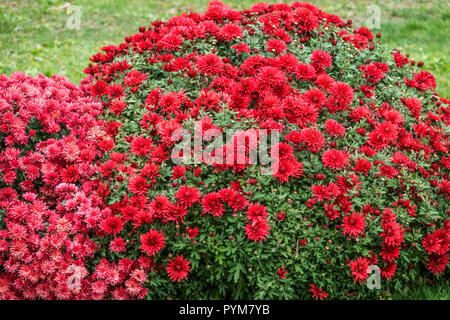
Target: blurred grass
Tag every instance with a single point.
(34, 37)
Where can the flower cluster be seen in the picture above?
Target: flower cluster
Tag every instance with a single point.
(360, 176)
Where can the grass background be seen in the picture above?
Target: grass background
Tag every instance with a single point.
(34, 38)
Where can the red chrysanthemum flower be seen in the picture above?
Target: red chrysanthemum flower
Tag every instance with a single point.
(138, 185)
(171, 41)
(241, 47)
(271, 78)
(212, 204)
(393, 233)
(288, 62)
(315, 97)
(236, 201)
(229, 32)
(282, 272)
(256, 211)
(334, 128)
(134, 78)
(112, 225)
(335, 159)
(324, 81)
(117, 106)
(276, 46)
(313, 139)
(257, 230)
(359, 269)
(353, 224)
(437, 242)
(192, 232)
(362, 165)
(178, 172)
(341, 96)
(424, 81)
(70, 174)
(188, 196)
(317, 292)
(300, 112)
(444, 188)
(388, 271)
(287, 168)
(306, 20)
(152, 242)
(305, 72)
(118, 245)
(414, 106)
(210, 64)
(387, 130)
(437, 264)
(374, 72)
(321, 59)
(390, 253)
(141, 146)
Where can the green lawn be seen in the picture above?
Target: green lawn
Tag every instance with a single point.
(34, 39)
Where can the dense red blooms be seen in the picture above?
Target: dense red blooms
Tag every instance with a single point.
(422, 80)
(393, 234)
(94, 204)
(374, 72)
(138, 185)
(134, 78)
(287, 168)
(170, 41)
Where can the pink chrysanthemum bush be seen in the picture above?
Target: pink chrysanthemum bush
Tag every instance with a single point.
(98, 200)
(49, 137)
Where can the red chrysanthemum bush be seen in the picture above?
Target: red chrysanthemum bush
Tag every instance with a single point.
(361, 176)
